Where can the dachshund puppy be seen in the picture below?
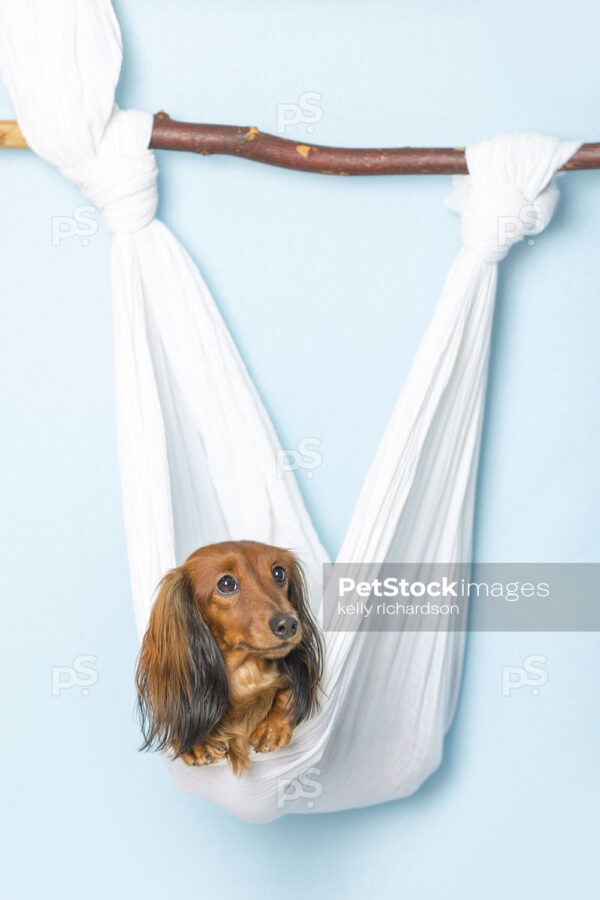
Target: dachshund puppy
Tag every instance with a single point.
(232, 657)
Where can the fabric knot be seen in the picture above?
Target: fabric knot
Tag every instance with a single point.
(120, 179)
(494, 217)
(509, 193)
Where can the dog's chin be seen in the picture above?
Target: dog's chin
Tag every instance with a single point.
(281, 651)
(272, 651)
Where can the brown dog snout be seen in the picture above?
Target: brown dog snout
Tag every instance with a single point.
(284, 625)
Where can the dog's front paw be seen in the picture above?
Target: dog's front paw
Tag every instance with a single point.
(206, 753)
(271, 734)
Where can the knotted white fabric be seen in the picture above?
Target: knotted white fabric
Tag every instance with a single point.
(501, 200)
(184, 399)
(120, 178)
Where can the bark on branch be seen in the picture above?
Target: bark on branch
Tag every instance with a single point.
(250, 143)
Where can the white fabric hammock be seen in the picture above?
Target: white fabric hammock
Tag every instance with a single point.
(197, 450)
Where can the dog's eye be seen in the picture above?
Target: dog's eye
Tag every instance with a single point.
(279, 574)
(227, 585)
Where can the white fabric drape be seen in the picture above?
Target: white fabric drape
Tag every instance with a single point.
(198, 452)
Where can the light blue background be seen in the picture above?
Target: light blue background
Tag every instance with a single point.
(327, 285)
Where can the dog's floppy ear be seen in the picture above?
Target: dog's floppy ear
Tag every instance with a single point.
(181, 679)
(304, 665)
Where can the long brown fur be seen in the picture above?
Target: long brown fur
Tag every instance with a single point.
(213, 679)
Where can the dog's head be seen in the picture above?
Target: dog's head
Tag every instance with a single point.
(232, 599)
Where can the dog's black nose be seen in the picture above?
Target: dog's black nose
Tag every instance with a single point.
(284, 625)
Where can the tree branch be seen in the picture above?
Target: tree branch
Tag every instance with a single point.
(250, 143)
